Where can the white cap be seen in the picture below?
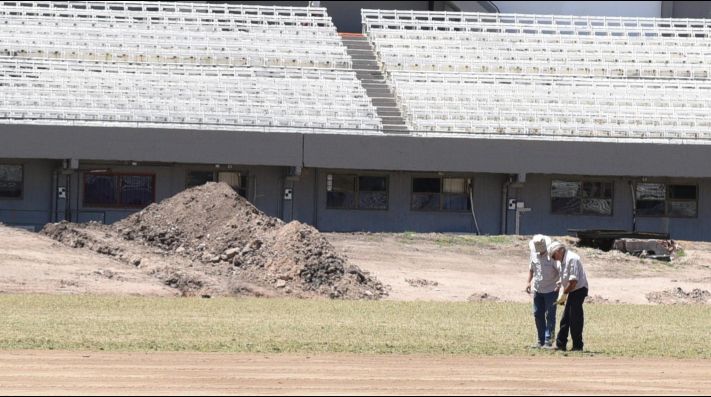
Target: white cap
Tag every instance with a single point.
(539, 243)
(553, 247)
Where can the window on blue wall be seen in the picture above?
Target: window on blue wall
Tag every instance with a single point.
(659, 199)
(118, 190)
(581, 197)
(372, 192)
(366, 192)
(426, 194)
(440, 194)
(11, 181)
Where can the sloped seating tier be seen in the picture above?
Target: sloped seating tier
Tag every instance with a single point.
(571, 107)
(534, 44)
(534, 24)
(182, 96)
(529, 54)
(178, 65)
(158, 32)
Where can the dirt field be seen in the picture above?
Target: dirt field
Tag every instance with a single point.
(462, 265)
(77, 373)
(30, 263)
(415, 266)
(437, 267)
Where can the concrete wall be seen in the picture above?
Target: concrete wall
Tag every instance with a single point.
(686, 9)
(263, 188)
(536, 193)
(34, 208)
(398, 217)
(583, 8)
(366, 152)
(145, 144)
(308, 204)
(506, 156)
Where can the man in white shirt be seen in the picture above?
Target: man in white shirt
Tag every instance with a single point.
(543, 276)
(574, 282)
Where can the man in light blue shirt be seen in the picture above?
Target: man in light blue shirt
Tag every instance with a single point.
(543, 276)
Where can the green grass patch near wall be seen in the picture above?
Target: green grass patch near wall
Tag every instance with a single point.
(466, 240)
(310, 326)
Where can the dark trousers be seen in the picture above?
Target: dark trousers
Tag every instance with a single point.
(573, 320)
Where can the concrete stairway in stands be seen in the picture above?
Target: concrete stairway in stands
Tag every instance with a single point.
(373, 80)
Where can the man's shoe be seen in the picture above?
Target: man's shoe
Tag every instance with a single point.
(576, 349)
(560, 348)
(550, 347)
(536, 346)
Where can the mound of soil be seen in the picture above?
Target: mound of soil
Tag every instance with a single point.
(598, 299)
(482, 297)
(421, 282)
(679, 296)
(209, 240)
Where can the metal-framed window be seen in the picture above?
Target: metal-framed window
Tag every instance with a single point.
(667, 200)
(12, 180)
(440, 194)
(118, 190)
(359, 192)
(581, 197)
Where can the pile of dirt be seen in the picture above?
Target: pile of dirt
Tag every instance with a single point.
(421, 282)
(209, 240)
(679, 296)
(482, 297)
(598, 299)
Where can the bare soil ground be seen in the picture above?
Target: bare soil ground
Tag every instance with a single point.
(77, 373)
(464, 267)
(441, 267)
(30, 263)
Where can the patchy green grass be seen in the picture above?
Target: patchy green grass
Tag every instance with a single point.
(406, 237)
(289, 325)
(458, 240)
(454, 240)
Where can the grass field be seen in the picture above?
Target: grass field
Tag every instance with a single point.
(304, 326)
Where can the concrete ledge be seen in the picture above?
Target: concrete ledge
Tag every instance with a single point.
(506, 156)
(155, 145)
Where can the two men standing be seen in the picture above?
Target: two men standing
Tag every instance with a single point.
(551, 269)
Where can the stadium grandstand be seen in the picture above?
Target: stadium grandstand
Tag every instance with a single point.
(447, 117)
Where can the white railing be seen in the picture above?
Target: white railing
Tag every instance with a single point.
(534, 24)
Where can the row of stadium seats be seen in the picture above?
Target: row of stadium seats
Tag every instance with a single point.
(81, 91)
(500, 104)
(193, 33)
(554, 67)
(532, 75)
(178, 65)
(534, 24)
(162, 13)
(491, 44)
